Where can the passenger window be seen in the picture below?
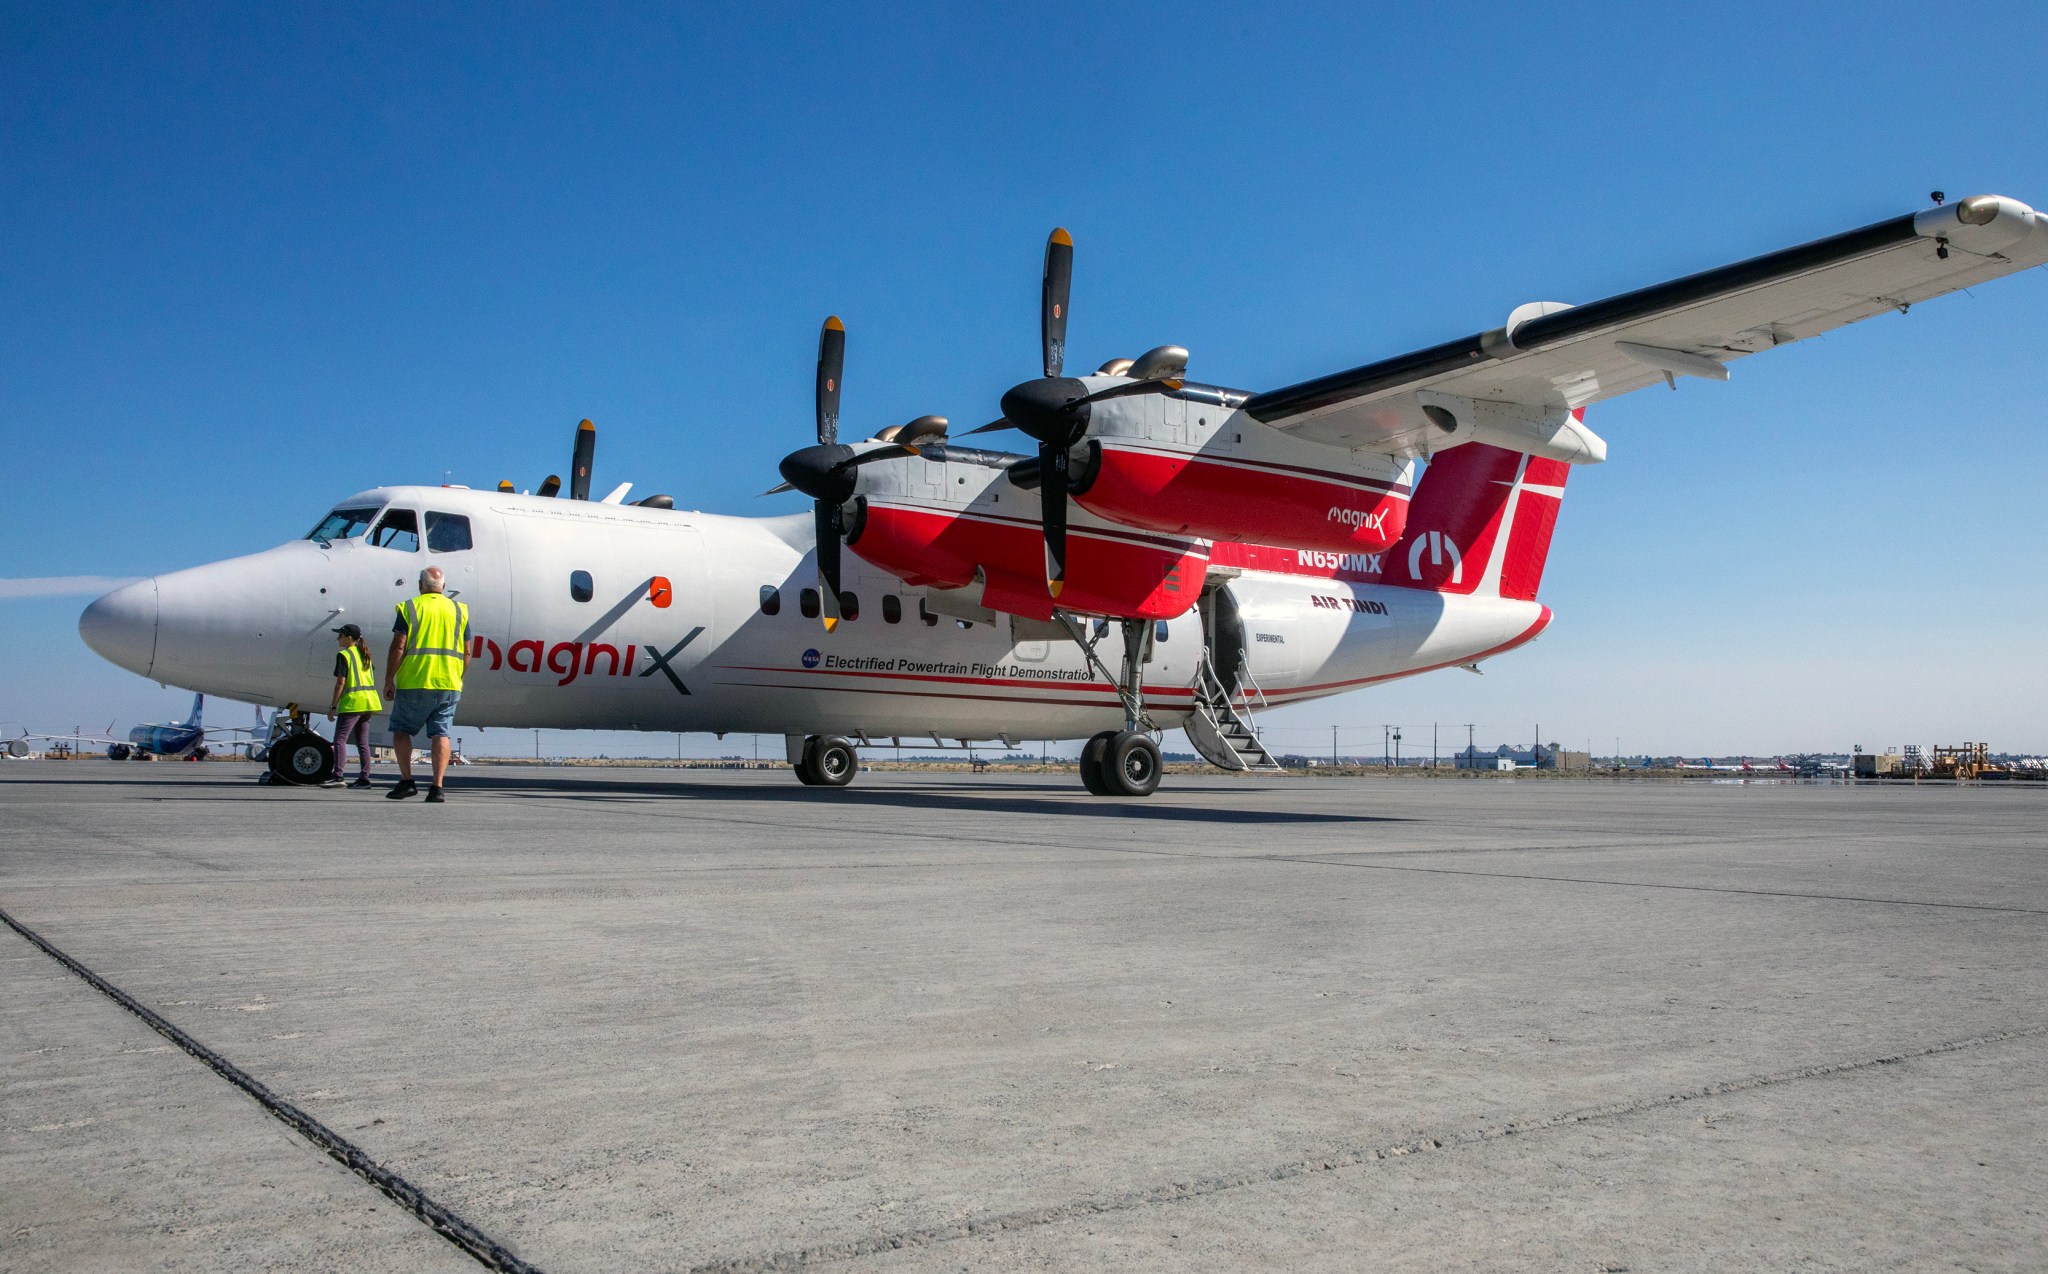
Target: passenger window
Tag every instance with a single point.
(771, 600)
(807, 602)
(399, 530)
(447, 532)
(849, 606)
(343, 524)
(892, 609)
(581, 587)
(1159, 631)
(925, 616)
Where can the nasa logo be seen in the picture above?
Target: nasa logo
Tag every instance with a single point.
(811, 658)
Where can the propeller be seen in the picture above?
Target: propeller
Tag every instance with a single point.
(826, 472)
(549, 487)
(1054, 409)
(579, 466)
(823, 472)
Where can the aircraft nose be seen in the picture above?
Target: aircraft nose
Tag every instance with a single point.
(121, 627)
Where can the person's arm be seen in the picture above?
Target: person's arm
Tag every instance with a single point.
(340, 680)
(392, 656)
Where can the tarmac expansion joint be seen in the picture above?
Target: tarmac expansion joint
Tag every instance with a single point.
(487, 1251)
(1181, 1191)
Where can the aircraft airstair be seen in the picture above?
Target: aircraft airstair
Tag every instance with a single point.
(1221, 726)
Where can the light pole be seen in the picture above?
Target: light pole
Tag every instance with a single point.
(1397, 748)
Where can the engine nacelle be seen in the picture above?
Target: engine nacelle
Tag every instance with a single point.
(1242, 497)
(1110, 570)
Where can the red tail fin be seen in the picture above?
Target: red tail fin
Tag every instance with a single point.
(1480, 523)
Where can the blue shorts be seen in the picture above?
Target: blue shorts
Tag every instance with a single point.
(428, 712)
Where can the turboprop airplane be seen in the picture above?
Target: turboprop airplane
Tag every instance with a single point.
(1172, 556)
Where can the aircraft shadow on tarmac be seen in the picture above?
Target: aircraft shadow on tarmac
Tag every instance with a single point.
(1057, 798)
(1064, 799)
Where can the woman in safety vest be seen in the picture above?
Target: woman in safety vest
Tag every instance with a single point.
(355, 702)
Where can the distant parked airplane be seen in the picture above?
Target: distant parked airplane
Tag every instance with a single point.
(175, 739)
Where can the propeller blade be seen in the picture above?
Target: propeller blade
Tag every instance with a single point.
(550, 487)
(1053, 295)
(1052, 500)
(825, 515)
(1000, 422)
(778, 489)
(586, 449)
(831, 364)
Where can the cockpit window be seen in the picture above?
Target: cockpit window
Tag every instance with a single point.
(447, 532)
(399, 529)
(343, 524)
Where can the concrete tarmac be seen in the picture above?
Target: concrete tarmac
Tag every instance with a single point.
(651, 1019)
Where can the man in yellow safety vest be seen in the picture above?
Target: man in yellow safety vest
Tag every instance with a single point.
(423, 677)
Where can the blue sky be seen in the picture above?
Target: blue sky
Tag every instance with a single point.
(257, 258)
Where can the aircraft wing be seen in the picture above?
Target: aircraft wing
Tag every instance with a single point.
(1550, 359)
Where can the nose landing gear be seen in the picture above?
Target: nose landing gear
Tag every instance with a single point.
(294, 754)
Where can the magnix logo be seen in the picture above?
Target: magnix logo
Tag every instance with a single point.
(1440, 546)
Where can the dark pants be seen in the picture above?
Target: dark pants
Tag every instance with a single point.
(356, 724)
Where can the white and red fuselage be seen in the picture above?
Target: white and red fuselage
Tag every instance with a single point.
(593, 615)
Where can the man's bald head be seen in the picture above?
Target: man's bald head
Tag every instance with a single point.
(433, 581)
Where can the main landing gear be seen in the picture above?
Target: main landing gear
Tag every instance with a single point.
(826, 761)
(1121, 762)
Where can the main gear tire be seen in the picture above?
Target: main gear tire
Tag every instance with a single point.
(1092, 754)
(303, 758)
(1131, 765)
(832, 761)
(804, 773)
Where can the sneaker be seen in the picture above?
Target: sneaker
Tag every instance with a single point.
(362, 783)
(434, 796)
(403, 789)
(331, 783)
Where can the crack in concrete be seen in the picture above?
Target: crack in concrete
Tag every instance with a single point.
(1333, 1161)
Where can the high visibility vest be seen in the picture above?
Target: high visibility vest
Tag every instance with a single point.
(437, 631)
(358, 684)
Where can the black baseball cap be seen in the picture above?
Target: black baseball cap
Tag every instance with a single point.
(350, 630)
